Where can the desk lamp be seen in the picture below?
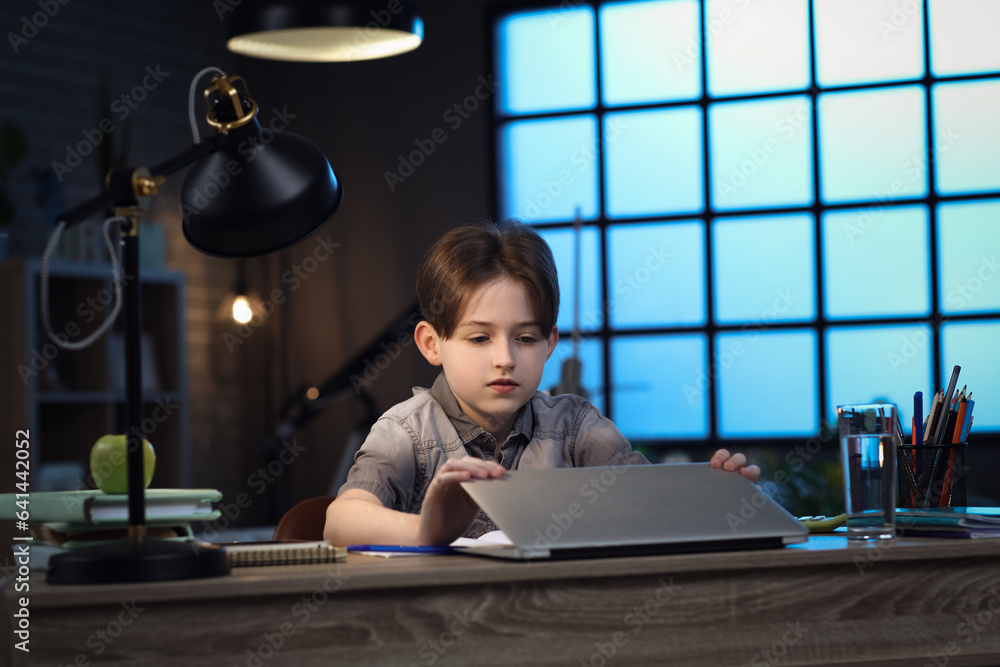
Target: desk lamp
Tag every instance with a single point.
(284, 194)
(279, 198)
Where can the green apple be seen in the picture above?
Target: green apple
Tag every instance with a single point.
(108, 464)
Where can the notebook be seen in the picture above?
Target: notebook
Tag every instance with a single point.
(630, 510)
(247, 554)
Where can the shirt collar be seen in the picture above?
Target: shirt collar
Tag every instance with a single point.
(465, 425)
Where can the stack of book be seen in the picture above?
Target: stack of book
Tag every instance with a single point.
(960, 522)
(60, 520)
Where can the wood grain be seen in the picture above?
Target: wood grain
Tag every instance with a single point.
(790, 607)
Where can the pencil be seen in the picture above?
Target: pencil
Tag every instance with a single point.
(956, 436)
(932, 419)
(939, 432)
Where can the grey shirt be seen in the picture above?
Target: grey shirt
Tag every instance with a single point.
(408, 444)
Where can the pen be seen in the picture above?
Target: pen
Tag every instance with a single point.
(918, 418)
(949, 427)
(400, 549)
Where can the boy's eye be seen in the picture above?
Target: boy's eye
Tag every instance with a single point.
(529, 340)
(478, 339)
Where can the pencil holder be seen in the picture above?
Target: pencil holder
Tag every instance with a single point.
(931, 475)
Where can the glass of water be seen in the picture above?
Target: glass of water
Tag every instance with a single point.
(869, 436)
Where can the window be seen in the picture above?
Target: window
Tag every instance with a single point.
(791, 200)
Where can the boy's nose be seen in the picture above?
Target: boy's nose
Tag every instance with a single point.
(502, 354)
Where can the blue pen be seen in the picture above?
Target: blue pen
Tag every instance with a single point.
(918, 418)
(392, 548)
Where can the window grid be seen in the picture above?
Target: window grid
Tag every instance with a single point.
(932, 200)
(820, 325)
(816, 209)
(711, 329)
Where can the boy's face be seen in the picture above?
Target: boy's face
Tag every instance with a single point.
(495, 357)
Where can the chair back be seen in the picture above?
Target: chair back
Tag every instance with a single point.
(305, 521)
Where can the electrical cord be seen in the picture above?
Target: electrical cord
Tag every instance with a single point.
(195, 134)
(115, 261)
(115, 277)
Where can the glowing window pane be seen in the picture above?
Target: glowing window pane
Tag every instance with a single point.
(968, 250)
(562, 245)
(864, 41)
(757, 47)
(966, 136)
(753, 365)
(964, 36)
(865, 364)
(764, 269)
(549, 169)
(876, 262)
(656, 274)
(656, 380)
(973, 346)
(644, 47)
(761, 153)
(873, 144)
(547, 61)
(593, 367)
(653, 162)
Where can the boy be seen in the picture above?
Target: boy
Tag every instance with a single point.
(489, 296)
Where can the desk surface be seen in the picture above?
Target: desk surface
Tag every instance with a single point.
(823, 602)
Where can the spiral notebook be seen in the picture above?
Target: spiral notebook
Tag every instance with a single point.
(249, 554)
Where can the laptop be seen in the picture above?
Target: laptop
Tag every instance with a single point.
(629, 510)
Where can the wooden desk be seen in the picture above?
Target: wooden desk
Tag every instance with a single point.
(914, 602)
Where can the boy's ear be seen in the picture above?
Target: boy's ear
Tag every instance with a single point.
(428, 342)
(553, 339)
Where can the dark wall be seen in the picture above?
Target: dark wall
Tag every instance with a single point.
(364, 116)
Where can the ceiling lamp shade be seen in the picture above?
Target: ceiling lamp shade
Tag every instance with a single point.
(324, 31)
(263, 190)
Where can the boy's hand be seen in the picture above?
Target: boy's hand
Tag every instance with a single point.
(448, 510)
(723, 459)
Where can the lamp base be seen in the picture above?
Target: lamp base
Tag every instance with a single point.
(127, 560)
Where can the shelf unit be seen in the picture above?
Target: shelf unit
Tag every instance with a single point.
(67, 399)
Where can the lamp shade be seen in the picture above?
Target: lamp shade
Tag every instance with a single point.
(259, 193)
(324, 31)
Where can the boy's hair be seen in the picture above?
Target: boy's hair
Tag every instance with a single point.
(471, 256)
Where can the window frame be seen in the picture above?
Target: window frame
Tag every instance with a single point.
(820, 324)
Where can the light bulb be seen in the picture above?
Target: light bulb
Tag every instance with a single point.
(241, 309)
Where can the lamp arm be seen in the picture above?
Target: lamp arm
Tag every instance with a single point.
(92, 206)
(123, 192)
(190, 156)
